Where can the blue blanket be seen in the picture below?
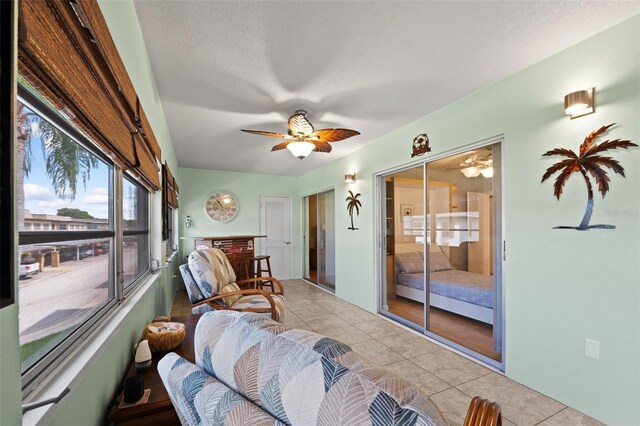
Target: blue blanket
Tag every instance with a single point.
(460, 285)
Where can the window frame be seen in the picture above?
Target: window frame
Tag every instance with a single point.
(126, 233)
(37, 373)
(171, 241)
(8, 234)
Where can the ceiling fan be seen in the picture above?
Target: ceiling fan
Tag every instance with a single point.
(473, 166)
(302, 138)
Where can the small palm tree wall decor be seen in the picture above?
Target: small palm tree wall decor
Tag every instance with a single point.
(353, 204)
(589, 162)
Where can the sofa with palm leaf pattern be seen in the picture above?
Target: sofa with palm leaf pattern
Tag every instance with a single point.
(251, 370)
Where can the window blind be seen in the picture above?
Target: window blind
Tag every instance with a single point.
(171, 187)
(67, 54)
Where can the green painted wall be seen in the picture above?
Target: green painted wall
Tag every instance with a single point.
(196, 186)
(10, 385)
(561, 286)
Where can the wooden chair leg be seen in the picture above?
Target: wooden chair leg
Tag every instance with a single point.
(260, 269)
(483, 412)
(269, 283)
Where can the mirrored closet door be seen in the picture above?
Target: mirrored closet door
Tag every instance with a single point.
(319, 239)
(441, 265)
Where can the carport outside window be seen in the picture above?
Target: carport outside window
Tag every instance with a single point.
(65, 198)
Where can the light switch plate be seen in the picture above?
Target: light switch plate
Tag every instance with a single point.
(592, 348)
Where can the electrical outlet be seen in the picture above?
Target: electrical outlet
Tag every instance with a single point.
(592, 348)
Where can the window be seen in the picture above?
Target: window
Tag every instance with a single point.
(135, 222)
(171, 241)
(68, 229)
(58, 179)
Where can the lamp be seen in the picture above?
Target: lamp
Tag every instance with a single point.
(350, 178)
(487, 172)
(577, 104)
(301, 149)
(470, 172)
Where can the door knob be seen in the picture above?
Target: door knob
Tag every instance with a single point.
(287, 242)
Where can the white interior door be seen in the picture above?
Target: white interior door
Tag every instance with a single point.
(275, 223)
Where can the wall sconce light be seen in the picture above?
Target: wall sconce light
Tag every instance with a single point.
(579, 103)
(350, 178)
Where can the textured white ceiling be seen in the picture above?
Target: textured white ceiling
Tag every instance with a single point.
(222, 66)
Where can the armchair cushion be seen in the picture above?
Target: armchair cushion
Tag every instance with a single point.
(195, 295)
(230, 300)
(211, 271)
(259, 301)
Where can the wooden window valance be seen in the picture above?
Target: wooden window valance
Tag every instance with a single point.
(170, 187)
(65, 51)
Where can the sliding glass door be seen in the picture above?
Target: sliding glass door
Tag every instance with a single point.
(441, 266)
(319, 239)
(404, 240)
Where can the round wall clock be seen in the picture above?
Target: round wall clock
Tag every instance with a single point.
(221, 206)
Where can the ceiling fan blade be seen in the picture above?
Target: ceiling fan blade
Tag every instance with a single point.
(281, 145)
(299, 125)
(322, 147)
(334, 135)
(262, 133)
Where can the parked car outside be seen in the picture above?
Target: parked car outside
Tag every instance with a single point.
(29, 266)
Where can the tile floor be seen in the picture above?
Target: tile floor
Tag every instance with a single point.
(449, 379)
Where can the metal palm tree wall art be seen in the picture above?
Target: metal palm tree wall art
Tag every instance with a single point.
(588, 161)
(353, 204)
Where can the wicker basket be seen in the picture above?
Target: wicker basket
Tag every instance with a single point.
(164, 336)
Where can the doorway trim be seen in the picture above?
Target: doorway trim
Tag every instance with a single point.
(500, 244)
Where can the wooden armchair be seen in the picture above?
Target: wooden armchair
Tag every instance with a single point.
(217, 302)
(211, 284)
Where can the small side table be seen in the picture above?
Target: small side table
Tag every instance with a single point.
(159, 409)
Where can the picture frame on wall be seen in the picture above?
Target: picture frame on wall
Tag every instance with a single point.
(7, 123)
(409, 223)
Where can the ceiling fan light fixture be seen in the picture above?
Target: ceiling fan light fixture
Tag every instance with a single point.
(301, 149)
(487, 172)
(470, 172)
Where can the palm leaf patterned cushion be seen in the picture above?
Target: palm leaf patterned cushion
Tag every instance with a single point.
(303, 378)
(195, 295)
(230, 300)
(211, 270)
(201, 399)
(259, 301)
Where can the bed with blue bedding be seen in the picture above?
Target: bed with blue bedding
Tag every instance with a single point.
(462, 292)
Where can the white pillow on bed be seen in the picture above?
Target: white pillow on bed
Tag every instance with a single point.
(438, 261)
(409, 263)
